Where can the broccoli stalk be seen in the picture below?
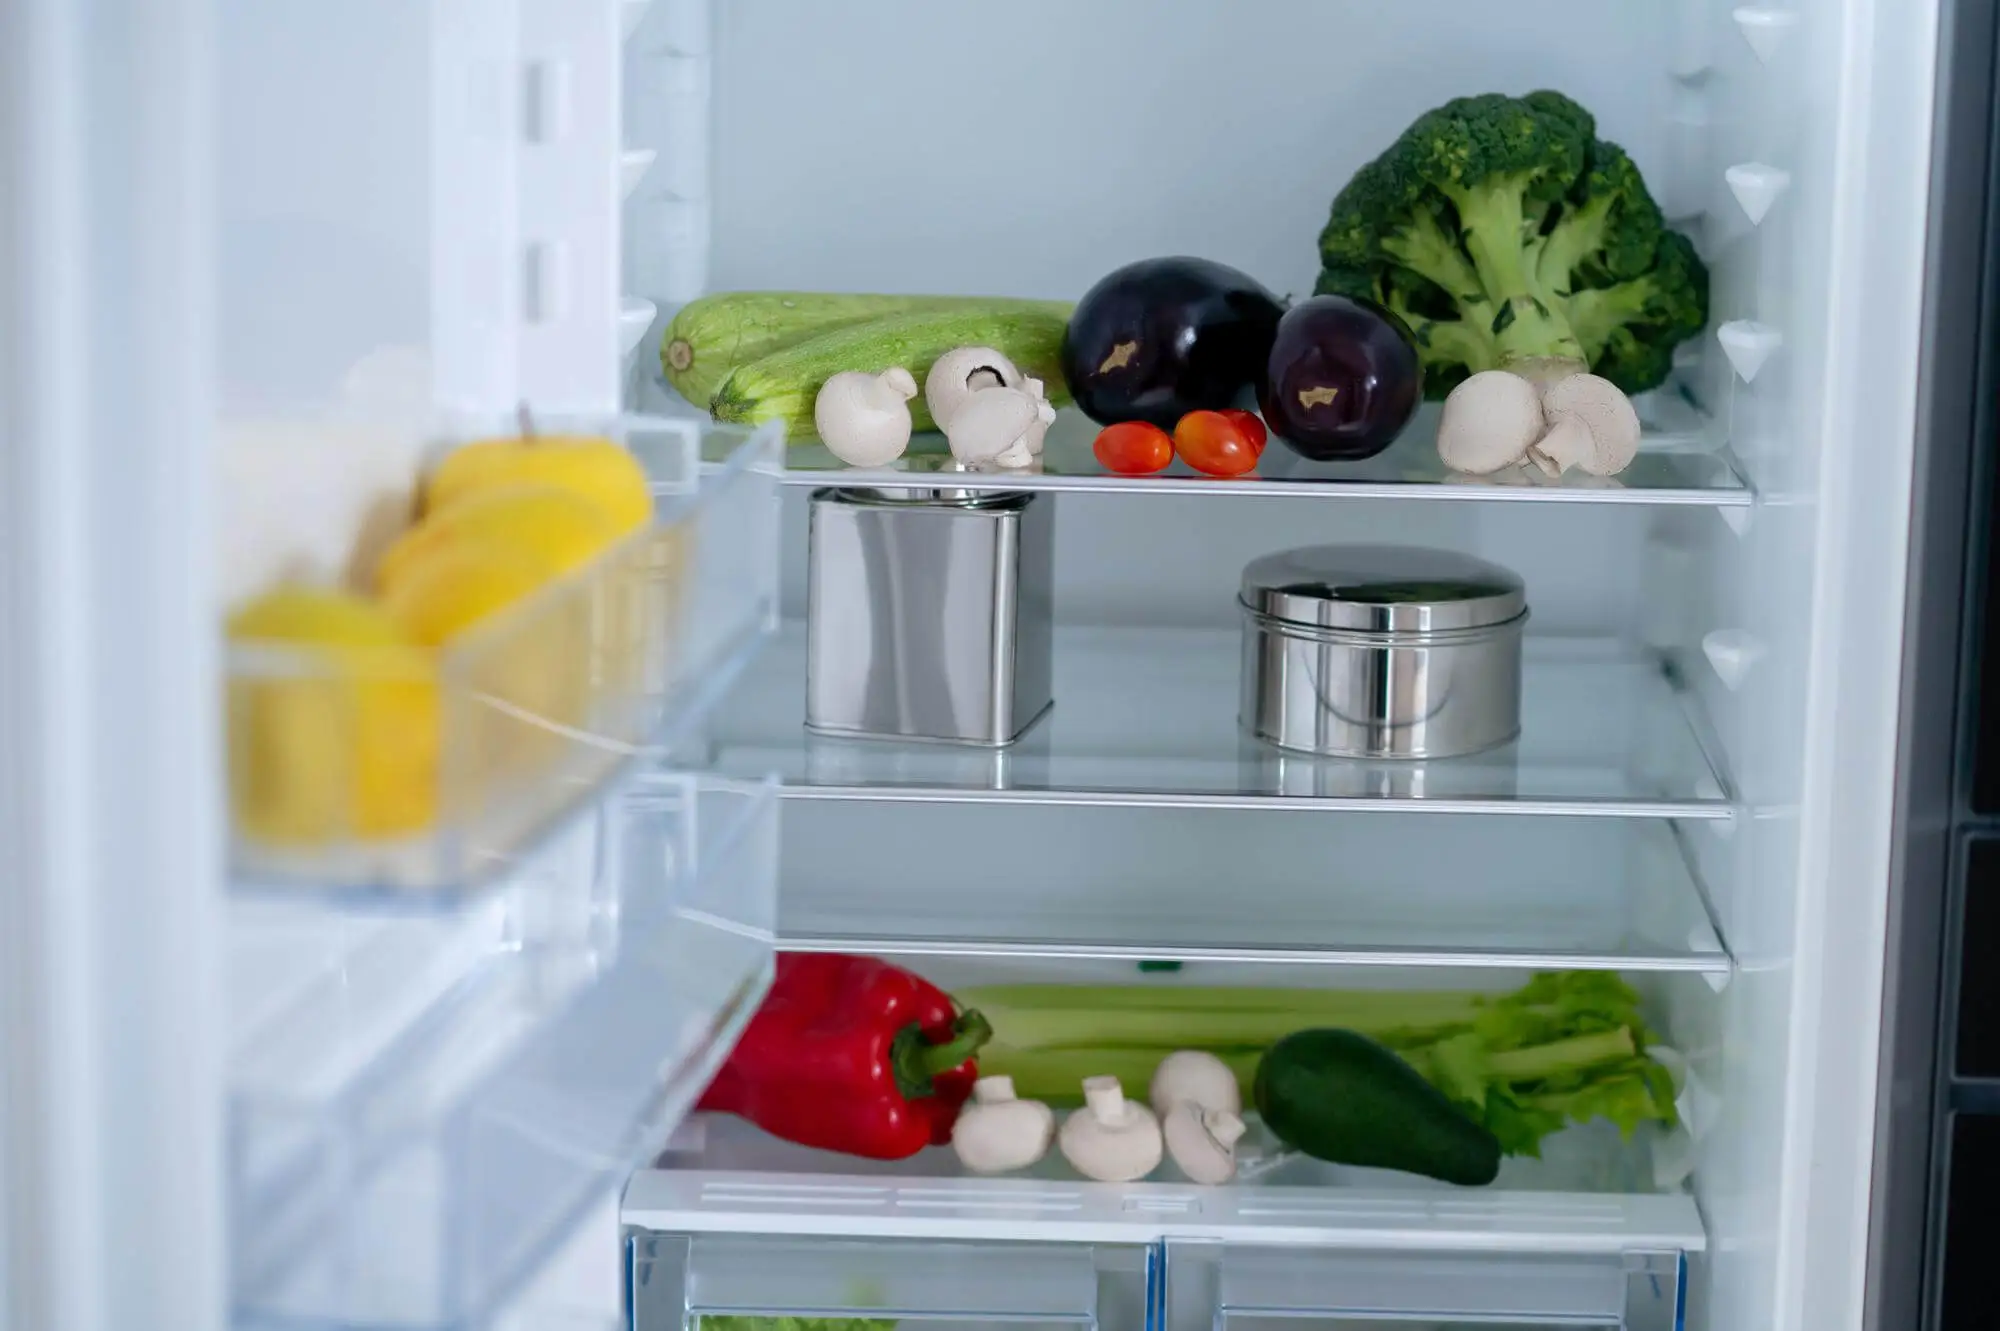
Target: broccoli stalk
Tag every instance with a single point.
(1528, 323)
(1505, 235)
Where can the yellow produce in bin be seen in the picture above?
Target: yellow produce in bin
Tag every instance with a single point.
(597, 469)
(333, 721)
(560, 529)
(521, 645)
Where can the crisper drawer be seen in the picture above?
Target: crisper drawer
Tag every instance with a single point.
(678, 1280)
(1579, 1237)
(424, 1100)
(1244, 1289)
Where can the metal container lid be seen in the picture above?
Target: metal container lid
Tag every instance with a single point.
(1382, 589)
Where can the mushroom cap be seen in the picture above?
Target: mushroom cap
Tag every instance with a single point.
(1194, 1075)
(864, 419)
(1203, 1142)
(994, 1136)
(950, 381)
(1489, 422)
(1111, 1139)
(989, 421)
(1592, 425)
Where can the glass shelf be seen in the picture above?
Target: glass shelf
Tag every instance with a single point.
(1148, 717)
(1589, 1194)
(1145, 885)
(1680, 463)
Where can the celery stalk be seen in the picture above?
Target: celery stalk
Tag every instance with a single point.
(1181, 1017)
(1055, 1076)
(1565, 1047)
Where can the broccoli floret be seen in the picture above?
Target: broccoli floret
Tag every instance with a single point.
(1501, 229)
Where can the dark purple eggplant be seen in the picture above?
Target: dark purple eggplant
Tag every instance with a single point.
(1158, 339)
(1342, 381)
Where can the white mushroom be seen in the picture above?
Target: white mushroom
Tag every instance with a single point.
(1489, 422)
(998, 1132)
(1197, 1076)
(958, 374)
(1045, 416)
(1591, 425)
(992, 426)
(865, 418)
(1111, 1139)
(1203, 1141)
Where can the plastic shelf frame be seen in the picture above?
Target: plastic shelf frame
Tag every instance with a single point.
(423, 1105)
(523, 721)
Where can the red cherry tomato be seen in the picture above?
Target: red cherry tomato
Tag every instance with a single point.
(1133, 448)
(1210, 442)
(1252, 426)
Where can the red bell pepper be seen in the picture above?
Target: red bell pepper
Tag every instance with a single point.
(852, 1054)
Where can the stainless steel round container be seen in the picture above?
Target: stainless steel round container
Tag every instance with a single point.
(1381, 651)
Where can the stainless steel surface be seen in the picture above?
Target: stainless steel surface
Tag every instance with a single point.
(1382, 589)
(1287, 772)
(1379, 652)
(929, 619)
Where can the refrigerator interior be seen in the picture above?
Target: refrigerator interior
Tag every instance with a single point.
(1701, 805)
(896, 147)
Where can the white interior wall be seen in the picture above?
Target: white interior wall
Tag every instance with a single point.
(900, 145)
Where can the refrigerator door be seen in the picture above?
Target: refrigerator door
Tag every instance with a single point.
(268, 258)
(111, 832)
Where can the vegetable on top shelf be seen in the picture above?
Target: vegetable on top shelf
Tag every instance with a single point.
(1506, 234)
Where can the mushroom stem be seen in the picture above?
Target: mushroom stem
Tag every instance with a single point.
(1567, 444)
(1224, 1126)
(1105, 1099)
(994, 1091)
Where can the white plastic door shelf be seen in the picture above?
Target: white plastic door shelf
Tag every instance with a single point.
(423, 1103)
(535, 711)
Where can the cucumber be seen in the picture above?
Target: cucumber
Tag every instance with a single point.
(710, 337)
(1339, 1096)
(783, 385)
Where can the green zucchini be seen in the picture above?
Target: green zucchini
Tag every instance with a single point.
(1339, 1096)
(710, 337)
(783, 385)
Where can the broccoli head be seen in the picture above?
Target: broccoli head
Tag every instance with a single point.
(1503, 230)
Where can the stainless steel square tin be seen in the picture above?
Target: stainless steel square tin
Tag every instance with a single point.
(928, 613)
(1376, 651)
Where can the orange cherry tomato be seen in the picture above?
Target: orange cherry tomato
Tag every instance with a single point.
(1252, 426)
(1210, 442)
(1133, 448)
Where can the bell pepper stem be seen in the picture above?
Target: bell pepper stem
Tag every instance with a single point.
(919, 1062)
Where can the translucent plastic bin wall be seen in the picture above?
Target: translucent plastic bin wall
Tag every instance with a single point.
(398, 772)
(422, 1103)
(679, 1280)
